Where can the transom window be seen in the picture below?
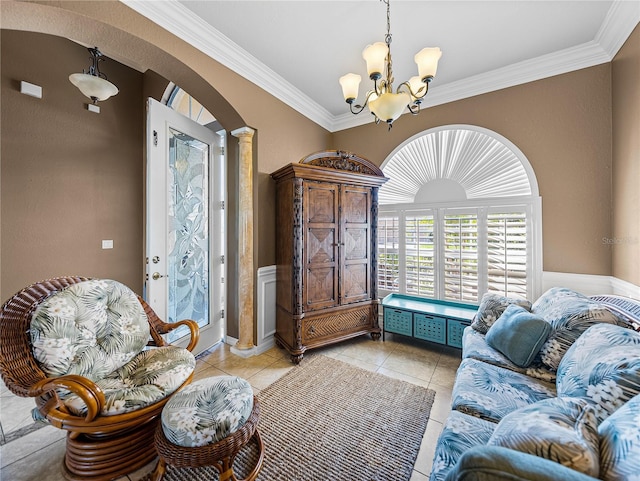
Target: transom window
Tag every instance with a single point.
(460, 216)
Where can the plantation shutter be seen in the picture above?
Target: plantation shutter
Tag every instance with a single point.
(420, 260)
(507, 254)
(461, 257)
(388, 252)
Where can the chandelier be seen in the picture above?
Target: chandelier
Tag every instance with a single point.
(384, 104)
(94, 84)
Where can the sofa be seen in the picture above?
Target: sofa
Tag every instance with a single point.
(546, 391)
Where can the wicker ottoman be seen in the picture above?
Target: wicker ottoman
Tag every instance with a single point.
(206, 424)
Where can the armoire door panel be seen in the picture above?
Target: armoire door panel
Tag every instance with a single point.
(321, 288)
(321, 245)
(321, 203)
(356, 205)
(356, 243)
(356, 283)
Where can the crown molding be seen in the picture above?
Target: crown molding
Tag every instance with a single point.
(622, 18)
(180, 21)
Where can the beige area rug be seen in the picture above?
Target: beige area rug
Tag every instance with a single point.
(327, 420)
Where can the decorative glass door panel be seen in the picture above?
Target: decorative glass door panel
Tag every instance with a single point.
(188, 229)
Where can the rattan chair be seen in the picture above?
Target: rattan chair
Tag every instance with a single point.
(99, 447)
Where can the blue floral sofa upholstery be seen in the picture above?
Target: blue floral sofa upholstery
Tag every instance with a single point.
(548, 391)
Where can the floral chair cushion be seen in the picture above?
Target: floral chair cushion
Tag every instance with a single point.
(570, 314)
(207, 411)
(491, 392)
(620, 443)
(149, 377)
(603, 365)
(91, 329)
(491, 307)
(561, 429)
(460, 433)
(475, 346)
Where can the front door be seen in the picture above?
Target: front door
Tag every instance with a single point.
(185, 223)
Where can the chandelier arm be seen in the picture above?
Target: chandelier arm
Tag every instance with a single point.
(414, 108)
(417, 96)
(359, 108)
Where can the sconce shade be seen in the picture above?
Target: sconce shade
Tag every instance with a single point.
(92, 86)
(350, 84)
(375, 55)
(389, 106)
(427, 60)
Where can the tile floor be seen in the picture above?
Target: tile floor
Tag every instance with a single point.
(37, 455)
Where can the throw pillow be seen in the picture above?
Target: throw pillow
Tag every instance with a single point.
(518, 334)
(570, 314)
(603, 365)
(563, 430)
(491, 308)
(620, 443)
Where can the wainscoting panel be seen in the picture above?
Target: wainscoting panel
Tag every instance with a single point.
(589, 285)
(266, 299)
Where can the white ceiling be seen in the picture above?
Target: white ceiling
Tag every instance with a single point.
(297, 49)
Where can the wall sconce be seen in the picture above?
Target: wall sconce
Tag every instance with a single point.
(94, 84)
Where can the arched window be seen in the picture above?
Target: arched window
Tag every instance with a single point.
(459, 216)
(184, 103)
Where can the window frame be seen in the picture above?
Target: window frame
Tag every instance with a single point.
(532, 208)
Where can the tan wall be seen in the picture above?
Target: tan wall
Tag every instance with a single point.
(70, 178)
(563, 125)
(626, 161)
(282, 134)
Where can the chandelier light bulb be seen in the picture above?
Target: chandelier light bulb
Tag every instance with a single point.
(376, 57)
(350, 84)
(427, 60)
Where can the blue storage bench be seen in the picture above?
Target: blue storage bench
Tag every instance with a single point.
(427, 319)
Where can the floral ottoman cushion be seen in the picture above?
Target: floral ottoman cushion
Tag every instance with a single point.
(207, 411)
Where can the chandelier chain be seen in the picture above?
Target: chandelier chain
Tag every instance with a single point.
(388, 84)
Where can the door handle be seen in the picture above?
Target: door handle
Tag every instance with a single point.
(156, 276)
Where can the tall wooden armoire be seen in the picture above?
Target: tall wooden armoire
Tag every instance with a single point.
(326, 256)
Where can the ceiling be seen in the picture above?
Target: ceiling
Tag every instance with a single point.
(297, 49)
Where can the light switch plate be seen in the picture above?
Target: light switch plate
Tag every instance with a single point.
(107, 244)
(31, 89)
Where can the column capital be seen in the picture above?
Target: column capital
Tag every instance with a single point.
(243, 132)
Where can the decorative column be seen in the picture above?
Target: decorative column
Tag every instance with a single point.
(245, 242)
